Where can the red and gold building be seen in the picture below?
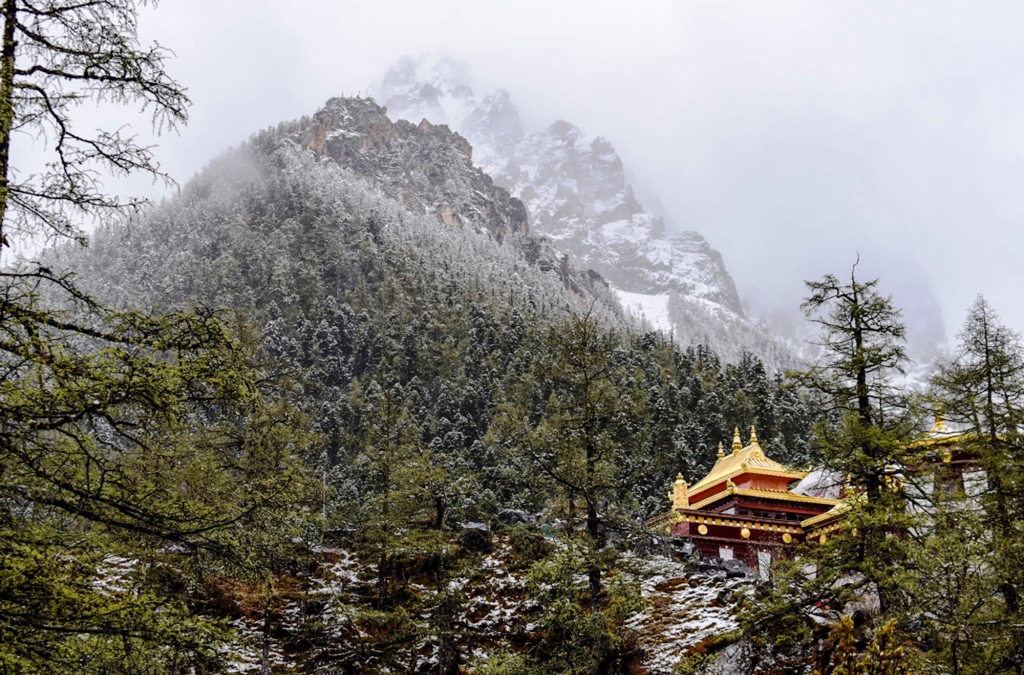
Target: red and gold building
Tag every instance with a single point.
(746, 508)
(752, 508)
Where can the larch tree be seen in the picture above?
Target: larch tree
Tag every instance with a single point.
(135, 449)
(867, 422)
(575, 419)
(57, 55)
(862, 431)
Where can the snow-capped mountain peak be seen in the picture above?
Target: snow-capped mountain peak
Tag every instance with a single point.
(575, 190)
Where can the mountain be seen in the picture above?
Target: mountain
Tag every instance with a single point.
(429, 168)
(401, 299)
(576, 193)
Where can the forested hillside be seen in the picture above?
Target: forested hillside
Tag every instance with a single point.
(441, 357)
(338, 407)
(576, 190)
(349, 287)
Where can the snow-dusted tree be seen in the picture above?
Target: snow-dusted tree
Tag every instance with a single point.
(576, 418)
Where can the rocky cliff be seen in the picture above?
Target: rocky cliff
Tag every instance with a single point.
(574, 188)
(427, 165)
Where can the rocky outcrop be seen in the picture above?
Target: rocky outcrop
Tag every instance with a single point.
(426, 165)
(573, 186)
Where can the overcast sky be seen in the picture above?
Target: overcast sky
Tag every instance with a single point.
(791, 134)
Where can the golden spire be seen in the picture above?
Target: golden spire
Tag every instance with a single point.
(737, 444)
(680, 500)
(753, 435)
(721, 452)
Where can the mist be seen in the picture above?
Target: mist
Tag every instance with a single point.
(793, 136)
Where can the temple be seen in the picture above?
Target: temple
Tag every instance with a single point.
(749, 507)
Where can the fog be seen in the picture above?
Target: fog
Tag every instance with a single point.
(792, 135)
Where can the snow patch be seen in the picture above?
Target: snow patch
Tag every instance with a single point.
(651, 308)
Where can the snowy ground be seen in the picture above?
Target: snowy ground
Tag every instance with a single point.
(683, 611)
(652, 308)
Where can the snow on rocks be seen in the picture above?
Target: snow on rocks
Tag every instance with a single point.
(573, 185)
(683, 609)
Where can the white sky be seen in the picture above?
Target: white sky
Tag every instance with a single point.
(791, 134)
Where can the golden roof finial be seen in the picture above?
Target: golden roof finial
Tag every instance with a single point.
(721, 451)
(737, 444)
(753, 435)
(679, 498)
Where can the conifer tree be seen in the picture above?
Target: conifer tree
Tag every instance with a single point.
(863, 436)
(981, 393)
(135, 447)
(579, 434)
(57, 55)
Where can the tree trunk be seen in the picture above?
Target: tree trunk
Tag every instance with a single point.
(265, 663)
(593, 526)
(10, 13)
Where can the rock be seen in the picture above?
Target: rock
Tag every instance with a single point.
(427, 163)
(476, 540)
(574, 186)
(734, 568)
(708, 565)
(683, 548)
(575, 189)
(613, 540)
(514, 517)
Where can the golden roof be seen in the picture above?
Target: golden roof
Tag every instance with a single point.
(749, 459)
(781, 495)
(840, 509)
(941, 434)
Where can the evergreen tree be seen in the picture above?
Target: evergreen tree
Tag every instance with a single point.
(981, 392)
(138, 453)
(863, 435)
(579, 434)
(862, 337)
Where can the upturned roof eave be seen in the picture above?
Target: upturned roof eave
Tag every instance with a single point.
(763, 494)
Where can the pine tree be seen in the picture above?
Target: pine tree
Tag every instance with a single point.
(981, 391)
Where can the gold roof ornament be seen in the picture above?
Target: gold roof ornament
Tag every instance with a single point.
(721, 450)
(737, 444)
(756, 447)
(680, 499)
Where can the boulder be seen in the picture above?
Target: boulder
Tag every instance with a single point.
(514, 517)
(476, 539)
(734, 568)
